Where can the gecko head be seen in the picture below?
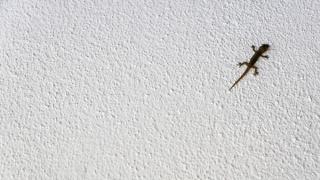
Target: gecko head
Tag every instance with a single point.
(264, 47)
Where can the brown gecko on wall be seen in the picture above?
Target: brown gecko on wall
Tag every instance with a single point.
(251, 64)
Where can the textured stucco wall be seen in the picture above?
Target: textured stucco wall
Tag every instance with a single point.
(138, 89)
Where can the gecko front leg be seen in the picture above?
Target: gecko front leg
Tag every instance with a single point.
(253, 48)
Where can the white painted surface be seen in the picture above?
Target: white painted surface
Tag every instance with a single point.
(139, 90)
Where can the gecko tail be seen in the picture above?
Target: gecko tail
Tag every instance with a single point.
(238, 80)
(232, 86)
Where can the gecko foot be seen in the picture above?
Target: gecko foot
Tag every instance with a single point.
(253, 48)
(255, 70)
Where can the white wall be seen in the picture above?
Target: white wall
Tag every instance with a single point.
(139, 90)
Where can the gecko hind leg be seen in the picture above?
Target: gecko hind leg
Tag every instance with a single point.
(265, 56)
(255, 70)
(242, 63)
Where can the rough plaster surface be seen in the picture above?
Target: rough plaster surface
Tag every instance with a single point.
(139, 90)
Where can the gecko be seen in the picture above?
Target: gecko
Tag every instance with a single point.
(251, 64)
